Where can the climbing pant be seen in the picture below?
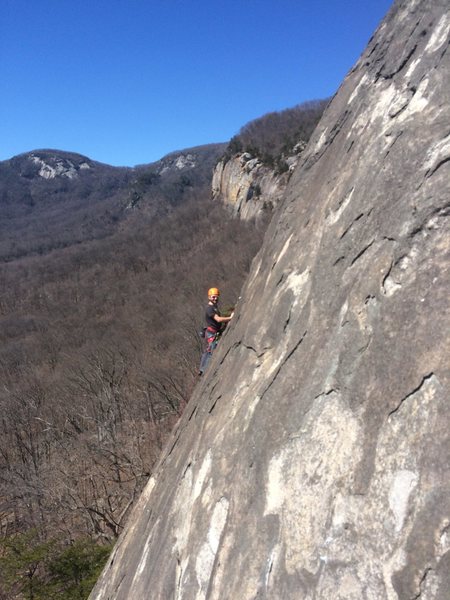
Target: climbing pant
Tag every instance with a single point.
(211, 339)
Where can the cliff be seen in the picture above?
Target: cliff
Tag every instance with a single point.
(249, 188)
(313, 459)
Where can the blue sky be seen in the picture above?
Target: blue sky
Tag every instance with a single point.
(127, 81)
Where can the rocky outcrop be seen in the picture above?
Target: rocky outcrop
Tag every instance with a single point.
(313, 459)
(49, 164)
(56, 166)
(249, 188)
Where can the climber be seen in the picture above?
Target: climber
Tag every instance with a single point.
(214, 326)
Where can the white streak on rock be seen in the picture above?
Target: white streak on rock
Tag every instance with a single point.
(437, 153)
(297, 282)
(334, 216)
(412, 68)
(206, 557)
(143, 562)
(404, 483)
(275, 485)
(361, 84)
(321, 141)
(285, 247)
(202, 475)
(388, 98)
(440, 34)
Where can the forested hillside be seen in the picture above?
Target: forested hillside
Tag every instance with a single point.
(103, 277)
(50, 200)
(276, 135)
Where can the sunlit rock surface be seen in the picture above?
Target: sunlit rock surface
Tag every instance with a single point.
(54, 166)
(247, 187)
(313, 461)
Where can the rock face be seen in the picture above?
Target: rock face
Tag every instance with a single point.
(313, 461)
(49, 164)
(248, 187)
(58, 166)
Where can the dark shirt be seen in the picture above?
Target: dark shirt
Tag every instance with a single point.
(212, 310)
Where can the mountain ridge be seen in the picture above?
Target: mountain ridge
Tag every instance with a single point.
(49, 199)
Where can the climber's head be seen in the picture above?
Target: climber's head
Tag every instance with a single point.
(213, 295)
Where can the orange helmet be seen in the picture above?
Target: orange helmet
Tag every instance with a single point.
(213, 292)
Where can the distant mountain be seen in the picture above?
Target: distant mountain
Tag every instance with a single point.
(51, 199)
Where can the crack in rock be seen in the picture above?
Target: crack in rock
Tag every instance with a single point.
(422, 581)
(397, 137)
(391, 74)
(351, 225)
(212, 407)
(283, 363)
(389, 285)
(258, 353)
(363, 251)
(287, 320)
(327, 393)
(417, 389)
(232, 347)
(437, 167)
(444, 52)
(325, 141)
(437, 156)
